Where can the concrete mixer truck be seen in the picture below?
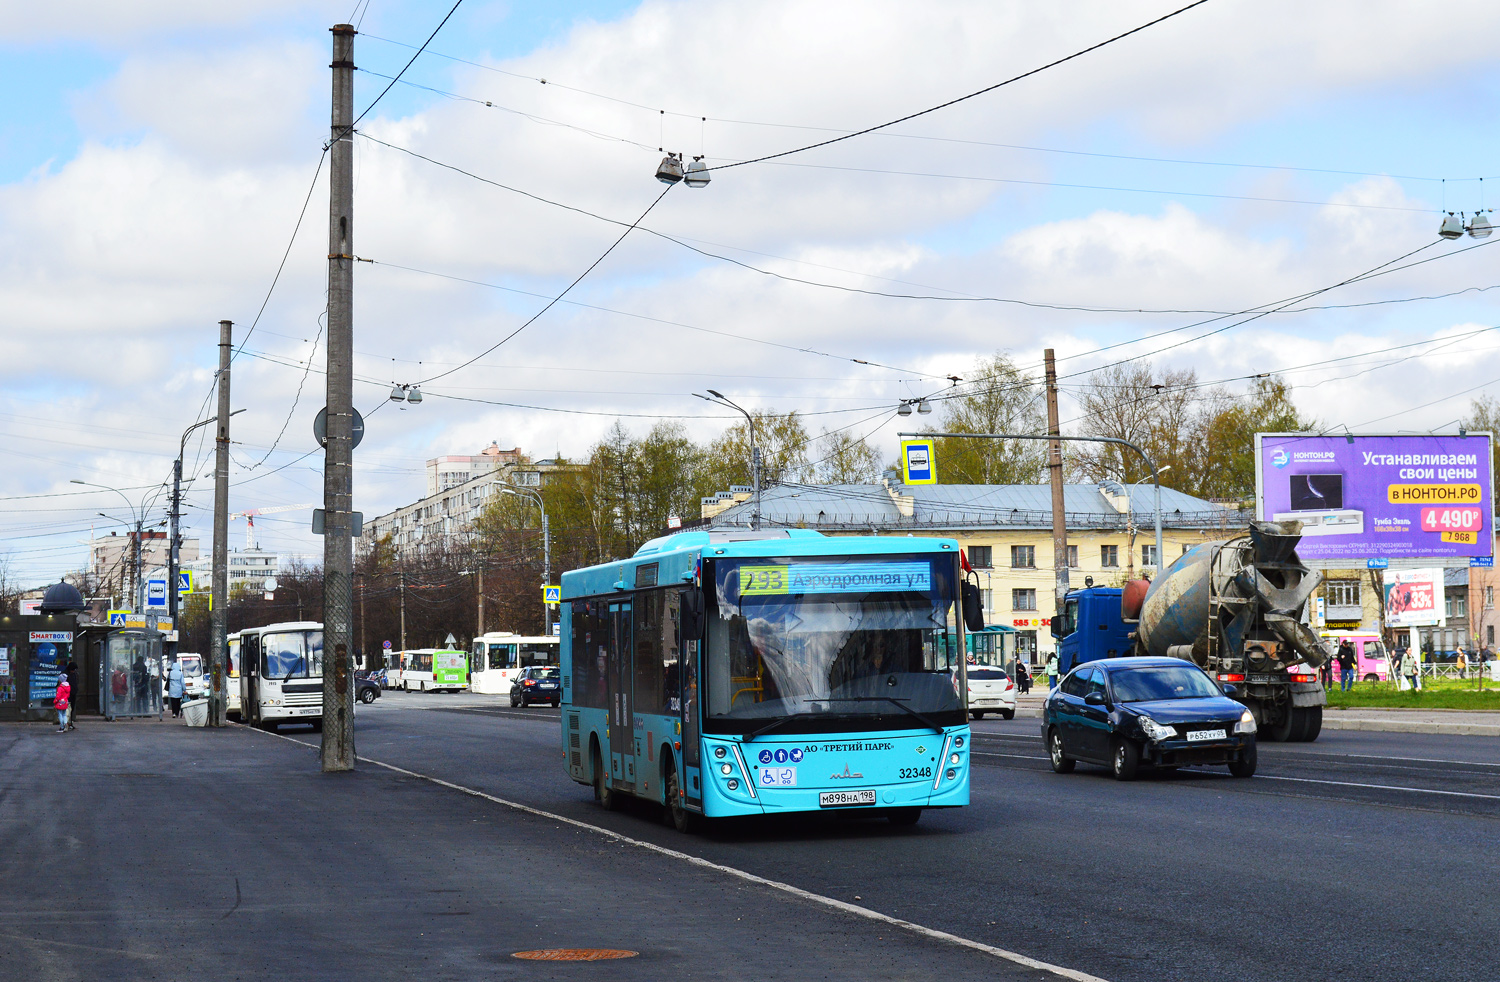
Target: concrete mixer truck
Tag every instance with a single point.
(1234, 608)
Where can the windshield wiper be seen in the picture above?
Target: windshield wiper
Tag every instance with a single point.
(775, 724)
(899, 704)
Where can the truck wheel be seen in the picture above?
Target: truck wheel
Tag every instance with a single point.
(1281, 730)
(1245, 766)
(1125, 760)
(1061, 762)
(1312, 723)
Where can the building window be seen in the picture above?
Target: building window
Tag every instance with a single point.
(1023, 599)
(1489, 599)
(1023, 557)
(980, 557)
(1343, 593)
(1455, 606)
(1109, 555)
(1489, 633)
(1072, 557)
(1148, 555)
(987, 599)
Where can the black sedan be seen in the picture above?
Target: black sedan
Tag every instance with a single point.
(366, 687)
(537, 684)
(1160, 712)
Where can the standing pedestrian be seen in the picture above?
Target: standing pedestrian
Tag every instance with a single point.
(1023, 677)
(1410, 666)
(71, 672)
(174, 686)
(1052, 670)
(1346, 665)
(62, 702)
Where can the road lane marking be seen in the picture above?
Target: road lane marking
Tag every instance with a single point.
(982, 753)
(816, 898)
(1380, 787)
(1419, 760)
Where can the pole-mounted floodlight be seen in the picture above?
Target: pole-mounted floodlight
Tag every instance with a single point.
(904, 409)
(670, 169)
(1479, 226)
(697, 174)
(398, 393)
(414, 396)
(924, 407)
(1452, 227)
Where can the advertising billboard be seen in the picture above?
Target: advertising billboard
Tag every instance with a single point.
(1379, 496)
(1413, 597)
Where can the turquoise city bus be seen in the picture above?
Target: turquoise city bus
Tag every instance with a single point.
(769, 672)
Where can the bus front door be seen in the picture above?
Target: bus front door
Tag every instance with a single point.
(250, 679)
(622, 698)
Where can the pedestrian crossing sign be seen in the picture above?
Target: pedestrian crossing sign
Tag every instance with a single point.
(551, 594)
(117, 618)
(184, 581)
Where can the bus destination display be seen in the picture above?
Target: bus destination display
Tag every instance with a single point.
(790, 578)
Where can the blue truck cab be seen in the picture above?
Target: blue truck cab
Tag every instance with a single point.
(1091, 627)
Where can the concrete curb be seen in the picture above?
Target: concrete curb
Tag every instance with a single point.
(1409, 726)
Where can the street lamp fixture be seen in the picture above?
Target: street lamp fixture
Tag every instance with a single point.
(1452, 227)
(723, 400)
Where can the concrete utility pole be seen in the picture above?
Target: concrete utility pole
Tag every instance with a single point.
(218, 629)
(403, 609)
(338, 546)
(1055, 475)
(480, 590)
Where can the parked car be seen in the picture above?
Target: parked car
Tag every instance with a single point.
(539, 683)
(1160, 712)
(990, 691)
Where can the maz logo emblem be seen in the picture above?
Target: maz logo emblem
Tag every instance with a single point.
(846, 776)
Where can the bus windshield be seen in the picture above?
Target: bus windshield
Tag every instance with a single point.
(833, 638)
(292, 655)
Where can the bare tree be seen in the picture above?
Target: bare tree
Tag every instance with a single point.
(997, 398)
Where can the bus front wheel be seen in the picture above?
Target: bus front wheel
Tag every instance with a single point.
(904, 817)
(677, 814)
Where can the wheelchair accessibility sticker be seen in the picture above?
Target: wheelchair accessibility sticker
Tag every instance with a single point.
(778, 777)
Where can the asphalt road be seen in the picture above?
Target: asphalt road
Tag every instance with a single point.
(141, 851)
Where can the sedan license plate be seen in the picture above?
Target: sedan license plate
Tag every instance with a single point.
(1198, 736)
(846, 799)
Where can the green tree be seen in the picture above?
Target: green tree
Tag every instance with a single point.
(844, 458)
(1158, 411)
(999, 398)
(1229, 436)
(1484, 416)
(784, 444)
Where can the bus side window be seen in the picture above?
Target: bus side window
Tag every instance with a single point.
(649, 644)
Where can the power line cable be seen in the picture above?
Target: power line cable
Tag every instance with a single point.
(964, 98)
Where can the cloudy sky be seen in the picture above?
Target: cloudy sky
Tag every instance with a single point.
(155, 157)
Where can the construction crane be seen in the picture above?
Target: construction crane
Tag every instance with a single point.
(249, 516)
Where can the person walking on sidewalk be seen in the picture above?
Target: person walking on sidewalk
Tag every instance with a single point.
(63, 703)
(1346, 666)
(174, 687)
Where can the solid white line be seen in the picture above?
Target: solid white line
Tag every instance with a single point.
(808, 895)
(1420, 760)
(982, 753)
(1379, 787)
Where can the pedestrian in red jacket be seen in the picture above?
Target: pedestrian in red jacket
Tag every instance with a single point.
(61, 701)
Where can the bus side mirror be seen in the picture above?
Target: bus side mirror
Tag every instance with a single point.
(973, 607)
(692, 615)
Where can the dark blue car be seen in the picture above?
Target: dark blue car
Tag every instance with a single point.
(1159, 712)
(539, 683)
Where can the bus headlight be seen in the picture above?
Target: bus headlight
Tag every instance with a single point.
(732, 784)
(719, 752)
(958, 741)
(952, 773)
(1246, 723)
(726, 769)
(953, 759)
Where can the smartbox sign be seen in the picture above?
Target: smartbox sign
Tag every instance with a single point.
(1379, 496)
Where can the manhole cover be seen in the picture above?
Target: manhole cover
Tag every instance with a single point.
(575, 954)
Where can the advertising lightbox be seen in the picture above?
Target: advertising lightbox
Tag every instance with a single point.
(1413, 597)
(1379, 496)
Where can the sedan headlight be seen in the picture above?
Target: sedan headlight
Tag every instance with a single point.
(1156, 731)
(1246, 723)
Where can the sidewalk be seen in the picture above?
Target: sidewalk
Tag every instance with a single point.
(1453, 722)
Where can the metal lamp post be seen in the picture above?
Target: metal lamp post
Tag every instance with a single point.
(137, 600)
(546, 549)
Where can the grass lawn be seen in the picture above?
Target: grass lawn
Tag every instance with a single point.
(1436, 694)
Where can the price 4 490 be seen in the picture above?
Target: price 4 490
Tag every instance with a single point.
(1452, 519)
